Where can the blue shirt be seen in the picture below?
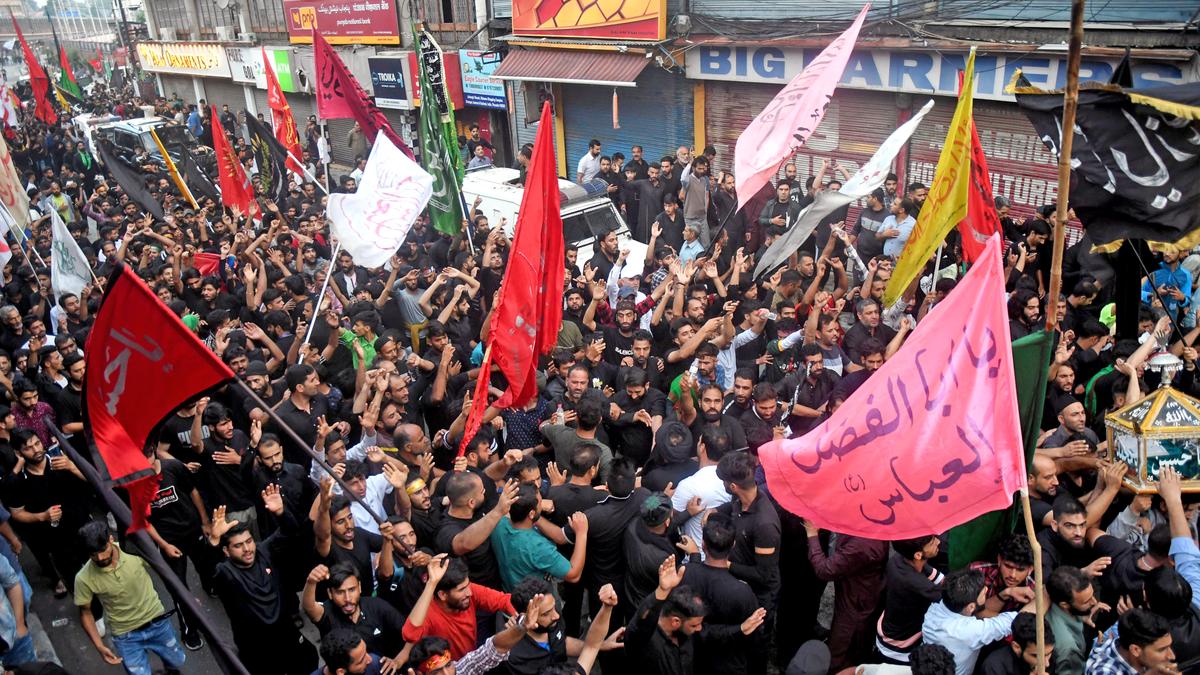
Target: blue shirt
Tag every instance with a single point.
(1165, 276)
(193, 123)
(1186, 555)
(892, 247)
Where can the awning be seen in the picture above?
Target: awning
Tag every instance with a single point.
(608, 69)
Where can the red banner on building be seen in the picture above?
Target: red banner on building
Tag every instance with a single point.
(343, 22)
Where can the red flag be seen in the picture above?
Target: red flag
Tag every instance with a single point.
(236, 191)
(982, 221)
(339, 95)
(65, 64)
(206, 264)
(930, 441)
(97, 63)
(42, 108)
(528, 312)
(281, 117)
(142, 363)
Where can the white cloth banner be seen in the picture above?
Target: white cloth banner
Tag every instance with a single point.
(69, 269)
(12, 189)
(372, 223)
(868, 179)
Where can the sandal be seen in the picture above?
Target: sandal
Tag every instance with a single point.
(60, 589)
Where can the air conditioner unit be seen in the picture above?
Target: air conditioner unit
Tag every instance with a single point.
(167, 34)
(247, 37)
(225, 33)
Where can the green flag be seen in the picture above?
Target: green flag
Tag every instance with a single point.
(439, 141)
(66, 77)
(1031, 364)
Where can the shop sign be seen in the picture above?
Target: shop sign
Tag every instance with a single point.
(343, 22)
(480, 89)
(918, 72)
(628, 20)
(390, 82)
(184, 58)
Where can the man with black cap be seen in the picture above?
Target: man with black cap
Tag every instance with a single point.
(647, 544)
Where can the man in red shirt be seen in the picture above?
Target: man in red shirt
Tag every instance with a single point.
(448, 605)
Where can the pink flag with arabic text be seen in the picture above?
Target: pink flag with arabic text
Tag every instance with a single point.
(931, 440)
(791, 117)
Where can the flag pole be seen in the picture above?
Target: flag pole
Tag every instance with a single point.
(316, 457)
(1070, 100)
(1038, 581)
(227, 659)
(306, 173)
(324, 287)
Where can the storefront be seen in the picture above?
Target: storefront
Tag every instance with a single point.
(879, 90)
(621, 99)
(187, 69)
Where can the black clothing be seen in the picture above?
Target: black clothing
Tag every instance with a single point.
(305, 426)
(379, 624)
(606, 537)
(757, 528)
(730, 601)
(481, 563)
(645, 551)
(357, 556)
(652, 649)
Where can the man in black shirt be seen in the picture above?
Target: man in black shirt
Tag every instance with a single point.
(338, 540)
(755, 556)
(463, 533)
(220, 477)
(267, 467)
(606, 532)
(633, 413)
(806, 395)
(300, 412)
(729, 601)
(605, 256)
(375, 621)
(1019, 657)
(250, 589)
(712, 406)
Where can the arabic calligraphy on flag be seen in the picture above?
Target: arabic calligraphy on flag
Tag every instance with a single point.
(930, 441)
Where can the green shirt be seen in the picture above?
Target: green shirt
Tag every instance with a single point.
(1070, 651)
(524, 552)
(348, 338)
(125, 590)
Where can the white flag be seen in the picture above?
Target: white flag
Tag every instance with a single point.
(868, 178)
(69, 269)
(12, 189)
(372, 223)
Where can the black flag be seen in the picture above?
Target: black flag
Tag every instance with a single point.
(1135, 159)
(271, 158)
(130, 180)
(197, 181)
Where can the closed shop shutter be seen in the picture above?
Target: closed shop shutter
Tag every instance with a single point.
(180, 85)
(260, 100)
(657, 115)
(225, 92)
(1021, 168)
(854, 126)
(524, 133)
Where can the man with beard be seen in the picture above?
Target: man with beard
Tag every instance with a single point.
(1009, 580)
(872, 357)
(373, 619)
(573, 312)
(1024, 313)
(868, 326)
(648, 194)
(618, 339)
(633, 414)
(807, 395)
(737, 401)
(606, 255)
(712, 413)
(338, 539)
(726, 208)
(1065, 541)
(647, 542)
(464, 533)
(304, 406)
(764, 420)
(449, 604)
(796, 188)
(251, 590)
(220, 477)
(259, 381)
(695, 197)
(521, 550)
(1043, 488)
(653, 366)
(70, 401)
(269, 468)
(1020, 657)
(134, 614)
(1073, 602)
(780, 212)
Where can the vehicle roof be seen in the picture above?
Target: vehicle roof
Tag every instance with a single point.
(499, 183)
(138, 124)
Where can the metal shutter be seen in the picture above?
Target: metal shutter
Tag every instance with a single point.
(854, 126)
(225, 92)
(1020, 166)
(657, 114)
(524, 133)
(178, 84)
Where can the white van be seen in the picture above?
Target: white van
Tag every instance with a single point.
(587, 212)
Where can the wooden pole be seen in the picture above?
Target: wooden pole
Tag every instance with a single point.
(1070, 100)
(1038, 581)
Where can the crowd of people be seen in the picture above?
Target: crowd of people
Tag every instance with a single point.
(620, 519)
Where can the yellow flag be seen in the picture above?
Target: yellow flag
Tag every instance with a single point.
(179, 182)
(946, 204)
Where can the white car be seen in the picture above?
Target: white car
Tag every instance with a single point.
(587, 212)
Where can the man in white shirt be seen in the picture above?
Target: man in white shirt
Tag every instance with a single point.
(703, 490)
(589, 164)
(951, 623)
